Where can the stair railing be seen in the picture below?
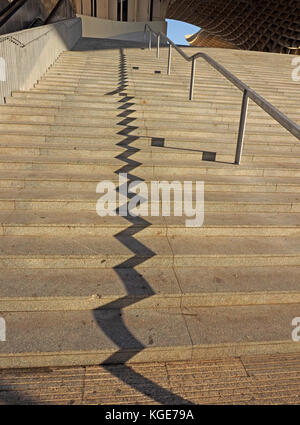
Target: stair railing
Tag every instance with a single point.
(248, 93)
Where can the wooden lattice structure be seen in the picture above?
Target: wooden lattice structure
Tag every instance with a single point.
(269, 25)
(205, 39)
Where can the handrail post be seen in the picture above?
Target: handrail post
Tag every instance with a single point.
(169, 59)
(158, 45)
(192, 79)
(242, 127)
(150, 39)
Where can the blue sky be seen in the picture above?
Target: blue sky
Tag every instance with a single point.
(177, 30)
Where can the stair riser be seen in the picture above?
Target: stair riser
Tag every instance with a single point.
(109, 148)
(158, 93)
(220, 132)
(78, 230)
(105, 261)
(154, 301)
(115, 117)
(29, 107)
(163, 86)
(149, 172)
(144, 91)
(41, 99)
(72, 186)
(145, 72)
(193, 353)
(141, 79)
(12, 141)
(69, 205)
(211, 108)
(131, 79)
(140, 156)
(141, 85)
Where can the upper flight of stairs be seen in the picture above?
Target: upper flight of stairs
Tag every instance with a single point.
(79, 289)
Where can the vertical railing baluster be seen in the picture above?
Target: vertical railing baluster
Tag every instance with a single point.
(150, 40)
(169, 59)
(158, 45)
(121, 11)
(242, 127)
(192, 79)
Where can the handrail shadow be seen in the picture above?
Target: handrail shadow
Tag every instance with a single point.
(117, 330)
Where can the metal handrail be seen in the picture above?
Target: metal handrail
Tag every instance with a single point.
(248, 93)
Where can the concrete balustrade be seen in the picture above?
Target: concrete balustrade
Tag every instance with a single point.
(28, 54)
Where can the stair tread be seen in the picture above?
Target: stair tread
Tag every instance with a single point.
(45, 175)
(122, 159)
(44, 150)
(147, 246)
(174, 282)
(89, 195)
(190, 333)
(91, 219)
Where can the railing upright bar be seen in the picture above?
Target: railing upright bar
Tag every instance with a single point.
(192, 79)
(248, 93)
(121, 10)
(169, 59)
(242, 127)
(150, 40)
(158, 45)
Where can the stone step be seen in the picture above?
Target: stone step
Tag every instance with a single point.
(159, 92)
(49, 339)
(263, 124)
(46, 98)
(96, 116)
(146, 288)
(215, 111)
(112, 141)
(11, 144)
(213, 130)
(56, 93)
(219, 152)
(87, 182)
(150, 251)
(102, 98)
(161, 95)
(134, 84)
(158, 172)
(151, 78)
(81, 76)
(88, 223)
(150, 169)
(225, 187)
(139, 82)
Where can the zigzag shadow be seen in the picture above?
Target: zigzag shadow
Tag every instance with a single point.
(116, 329)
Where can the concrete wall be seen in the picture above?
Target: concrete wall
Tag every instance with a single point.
(25, 65)
(103, 28)
(138, 10)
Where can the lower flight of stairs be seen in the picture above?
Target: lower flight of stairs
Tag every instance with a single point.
(78, 289)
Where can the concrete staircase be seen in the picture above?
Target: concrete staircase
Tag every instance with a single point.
(77, 289)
